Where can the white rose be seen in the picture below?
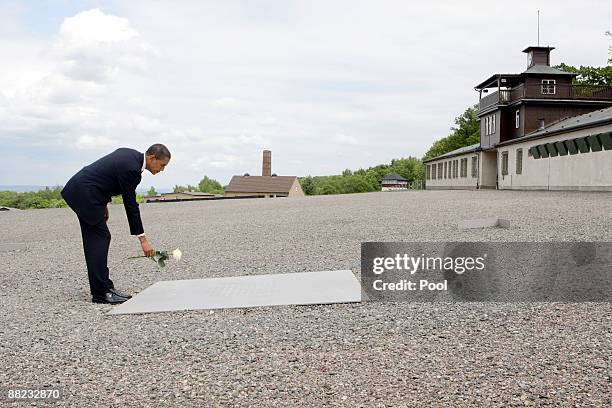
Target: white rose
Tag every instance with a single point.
(176, 254)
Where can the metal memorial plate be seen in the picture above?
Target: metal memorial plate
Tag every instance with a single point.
(302, 288)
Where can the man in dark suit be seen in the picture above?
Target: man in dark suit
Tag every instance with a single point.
(90, 190)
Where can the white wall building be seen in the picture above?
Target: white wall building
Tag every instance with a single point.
(538, 131)
(574, 154)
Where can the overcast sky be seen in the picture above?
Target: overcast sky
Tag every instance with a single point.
(326, 85)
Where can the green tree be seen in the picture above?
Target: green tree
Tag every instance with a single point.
(208, 185)
(374, 175)
(119, 199)
(410, 168)
(466, 133)
(587, 75)
(327, 187)
(363, 180)
(151, 192)
(46, 198)
(308, 185)
(187, 188)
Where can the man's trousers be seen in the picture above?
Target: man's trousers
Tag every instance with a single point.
(96, 242)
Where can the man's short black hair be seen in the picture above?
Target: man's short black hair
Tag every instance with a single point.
(159, 150)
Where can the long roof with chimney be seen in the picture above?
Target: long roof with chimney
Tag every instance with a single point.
(260, 184)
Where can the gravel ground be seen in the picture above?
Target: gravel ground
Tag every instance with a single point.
(371, 354)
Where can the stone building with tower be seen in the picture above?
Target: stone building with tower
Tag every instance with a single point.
(538, 130)
(268, 185)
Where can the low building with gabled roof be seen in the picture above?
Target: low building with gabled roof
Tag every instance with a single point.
(393, 182)
(264, 186)
(267, 185)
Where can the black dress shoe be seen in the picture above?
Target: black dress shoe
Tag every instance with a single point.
(109, 297)
(118, 293)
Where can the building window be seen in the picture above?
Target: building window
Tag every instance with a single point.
(455, 165)
(445, 169)
(440, 170)
(474, 166)
(433, 171)
(463, 169)
(504, 163)
(428, 172)
(489, 125)
(517, 119)
(549, 86)
(519, 161)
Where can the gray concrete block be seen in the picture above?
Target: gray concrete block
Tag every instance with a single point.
(300, 288)
(484, 223)
(13, 247)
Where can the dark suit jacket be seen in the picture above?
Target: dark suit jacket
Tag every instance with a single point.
(90, 190)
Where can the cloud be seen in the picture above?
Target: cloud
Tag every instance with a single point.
(218, 161)
(219, 83)
(345, 139)
(269, 121)
(80, 100)
(230, 104)
(94, 46)
(93, 142)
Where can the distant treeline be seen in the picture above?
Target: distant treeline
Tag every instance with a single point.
(363, 180)
(47, 198)
(465, 132)
(206, 185)
(358, 181)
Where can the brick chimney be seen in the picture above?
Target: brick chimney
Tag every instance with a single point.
(266, 168)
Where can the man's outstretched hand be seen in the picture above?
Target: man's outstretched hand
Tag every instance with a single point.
(146, 247)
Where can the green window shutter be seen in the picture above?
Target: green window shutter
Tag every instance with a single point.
(535, 152)
(572, 148)
(594, 143)
(542, 150)
(561, 148)
(606, 140)
(583, 145)
(552, 150)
